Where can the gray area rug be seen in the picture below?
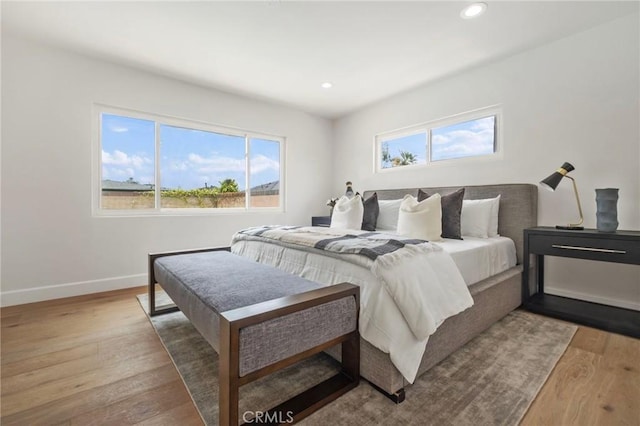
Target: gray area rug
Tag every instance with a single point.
(492, 380)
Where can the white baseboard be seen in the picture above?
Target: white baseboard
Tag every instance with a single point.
(627, 304)
(58, 291)
(39, 294)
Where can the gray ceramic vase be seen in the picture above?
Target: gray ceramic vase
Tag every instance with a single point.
(607, 209)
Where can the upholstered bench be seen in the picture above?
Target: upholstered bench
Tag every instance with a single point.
(260, 319)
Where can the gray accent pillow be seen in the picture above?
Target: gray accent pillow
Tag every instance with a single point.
(451, 210)
(371, 211)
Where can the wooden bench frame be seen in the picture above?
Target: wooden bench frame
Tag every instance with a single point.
(231, 322)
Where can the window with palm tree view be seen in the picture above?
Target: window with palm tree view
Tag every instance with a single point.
(194, 166)
(404, 150)
(467, 135)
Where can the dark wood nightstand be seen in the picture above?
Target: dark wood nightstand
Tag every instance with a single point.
(589, 244)
(321, 221)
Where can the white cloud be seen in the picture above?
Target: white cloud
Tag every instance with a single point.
(146, 179)
(119, 158)
(460, 143)
(465, 137)
(120, 166)
(118, 129)
(117, 173)
(483, 124)
(178, 166)
(261, 163)
(207, 165)
(196, 169)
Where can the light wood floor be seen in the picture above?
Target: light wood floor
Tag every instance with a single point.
(96, 360)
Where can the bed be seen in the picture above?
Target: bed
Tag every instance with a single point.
(492, 276)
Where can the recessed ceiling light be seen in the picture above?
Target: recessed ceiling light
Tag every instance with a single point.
(473, 10)
(326, 85)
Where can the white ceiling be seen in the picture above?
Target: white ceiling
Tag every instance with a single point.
(283, 51)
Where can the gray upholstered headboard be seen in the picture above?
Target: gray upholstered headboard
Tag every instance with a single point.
(518, 205)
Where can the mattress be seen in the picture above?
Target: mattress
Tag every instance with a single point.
(480, 258)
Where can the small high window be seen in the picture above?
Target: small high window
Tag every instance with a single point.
(466, 135)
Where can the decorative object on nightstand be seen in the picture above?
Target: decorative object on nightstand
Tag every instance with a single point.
(331, 203)
(349, 192)
(607, 209)
(552, 182)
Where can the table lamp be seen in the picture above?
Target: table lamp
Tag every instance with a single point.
(553, 181)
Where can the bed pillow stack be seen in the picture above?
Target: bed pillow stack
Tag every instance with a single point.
(371, 213)
(388, 215)
(451, 212)
(347, 213)
(421, 219)
(459, 217)
(355, 213)
(479, 218)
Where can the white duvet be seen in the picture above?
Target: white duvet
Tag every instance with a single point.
(405, 295)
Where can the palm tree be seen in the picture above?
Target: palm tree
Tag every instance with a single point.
(386, 157)
(405, 159)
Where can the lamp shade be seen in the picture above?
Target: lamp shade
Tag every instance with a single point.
(553, 180)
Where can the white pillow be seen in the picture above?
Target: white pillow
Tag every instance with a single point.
(388, 215)
(493, 222)
(347, 213)
(476, 217)
(421, 219)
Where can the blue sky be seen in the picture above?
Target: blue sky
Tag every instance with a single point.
(416, 144)
(189, 158)
(469, 138)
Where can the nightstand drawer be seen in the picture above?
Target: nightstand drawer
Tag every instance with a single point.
(608, 250)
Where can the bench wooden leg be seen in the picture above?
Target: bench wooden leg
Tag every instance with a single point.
(297, 407)
(301, 405)
(316, 397)
(229, 372)
(153, 310)
(351, 356)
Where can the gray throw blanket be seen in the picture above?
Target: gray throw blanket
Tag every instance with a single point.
(369, 244)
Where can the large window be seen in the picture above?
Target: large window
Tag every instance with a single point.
(151, 164)
(473, 134)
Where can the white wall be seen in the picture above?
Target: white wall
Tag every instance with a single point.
(576, 100)
(51, 245)
(573, 100)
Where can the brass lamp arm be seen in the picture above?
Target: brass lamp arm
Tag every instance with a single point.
(575, 189)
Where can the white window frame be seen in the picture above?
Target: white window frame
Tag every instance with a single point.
(427, 127)
(99, 109)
